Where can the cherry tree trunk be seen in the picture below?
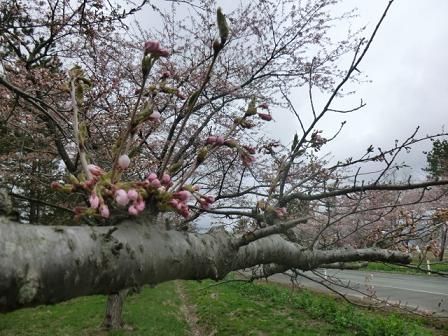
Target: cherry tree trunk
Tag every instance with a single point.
(113, 318)
(443, 241)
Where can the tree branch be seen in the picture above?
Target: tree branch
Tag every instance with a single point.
(49, 264)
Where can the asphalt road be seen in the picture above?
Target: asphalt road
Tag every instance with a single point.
(426, 293)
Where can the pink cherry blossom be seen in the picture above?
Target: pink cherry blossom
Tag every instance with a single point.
(251, 150)
(133, 211)
(124, 161)
(265, 116)
(183, 195)
(94, 201)
(280, 212)
(104, 211)
(210, 199)
(151, 177)
(181, 95)
(247, 159)
(204, 203)
(220, 140)
(121, 197)
(156, 183)
(174, 203)
(132, 194)
(165, 75)
(166, 179)
(211, 140)
(185, 212)
(94, 170)
(140, 204)
(155, 116)
(89, 183)
(153, 47)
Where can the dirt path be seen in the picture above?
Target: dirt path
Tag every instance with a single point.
(189, 312)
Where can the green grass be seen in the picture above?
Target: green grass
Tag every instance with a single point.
(152, 312)
(268, 309)
(384, 267)
(229, 309)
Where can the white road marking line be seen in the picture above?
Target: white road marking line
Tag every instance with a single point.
(412, 290)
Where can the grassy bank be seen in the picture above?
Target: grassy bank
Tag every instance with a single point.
(152, 312)
(384, 267)
(269, 309)
(231, 309)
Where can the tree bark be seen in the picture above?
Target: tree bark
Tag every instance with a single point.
(444, 230)
(113, 318)
(48, 264)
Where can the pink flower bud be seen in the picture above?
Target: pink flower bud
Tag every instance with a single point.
(79, 211)
(104, 211)
(94, 170)
(132, 194)
(185, 212)
(94, 201)
(166, 179)
(263, 106)
(124, 161)
(195, 188)
(183, 195)
(55, 185)
(165, 75)
(174, 203)
(211, 140)
(247, 159)
(204, 203)
(151, 177)
(163, 52)
(121, 197)
(280, 212)
(155, 183)
(210, 199)
(155, 116)
(153, 48)
(250, 150)
(220, 140)
(140, 204)
(133, 211)
(265, 116)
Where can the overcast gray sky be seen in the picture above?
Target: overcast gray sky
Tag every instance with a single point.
(408, 67)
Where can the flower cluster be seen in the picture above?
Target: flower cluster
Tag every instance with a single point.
(206, 201)
(132, 197)
(317, 141)
(215, 140)
(153, 48)
(246, 152)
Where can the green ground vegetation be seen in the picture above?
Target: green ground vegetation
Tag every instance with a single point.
(384, 267)
(233, 308)
(153, 311)
(269, 309)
